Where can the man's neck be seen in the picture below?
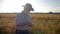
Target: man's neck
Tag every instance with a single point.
(25, 12)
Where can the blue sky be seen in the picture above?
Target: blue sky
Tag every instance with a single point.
(52, 3)
(44, 6)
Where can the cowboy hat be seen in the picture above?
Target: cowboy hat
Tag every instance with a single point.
(29, 5)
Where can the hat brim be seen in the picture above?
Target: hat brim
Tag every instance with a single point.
(32, 9)
(23, 6)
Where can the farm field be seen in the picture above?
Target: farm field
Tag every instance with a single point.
(42, 23)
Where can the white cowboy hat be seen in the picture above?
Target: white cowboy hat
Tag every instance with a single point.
(29, 5)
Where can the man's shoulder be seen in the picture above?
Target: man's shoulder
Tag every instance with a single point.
(18, 13)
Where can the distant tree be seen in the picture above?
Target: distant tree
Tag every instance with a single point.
(50, 12)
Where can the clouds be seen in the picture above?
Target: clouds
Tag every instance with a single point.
(15, 6)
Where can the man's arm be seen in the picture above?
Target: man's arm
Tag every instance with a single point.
(29, 24)
(20, 24)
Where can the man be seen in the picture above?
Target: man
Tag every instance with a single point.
(23, 20)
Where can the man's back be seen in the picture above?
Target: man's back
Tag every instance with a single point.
(22, 18)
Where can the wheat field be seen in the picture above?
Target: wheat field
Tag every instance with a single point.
(42, 23)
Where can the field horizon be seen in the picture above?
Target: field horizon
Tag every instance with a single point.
(43, 22)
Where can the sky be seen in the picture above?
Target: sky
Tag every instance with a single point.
(40, 6)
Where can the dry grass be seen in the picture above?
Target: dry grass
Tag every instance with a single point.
(47, 23)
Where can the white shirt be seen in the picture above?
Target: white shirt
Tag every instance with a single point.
(23, 18)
